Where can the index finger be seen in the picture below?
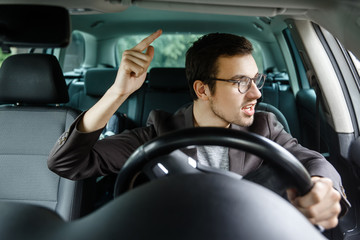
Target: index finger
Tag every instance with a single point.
(145, 43)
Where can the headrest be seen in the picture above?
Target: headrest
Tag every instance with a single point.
(98, 80)
(266, 107)
(32, 78)
(168, 78)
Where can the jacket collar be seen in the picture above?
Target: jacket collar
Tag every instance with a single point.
(236, 157)
(189, 116)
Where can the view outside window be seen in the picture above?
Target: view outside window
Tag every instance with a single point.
(74, 56)
(170, 49)
(356, 62)
(15, 50)
(75, 53)
(3, 56)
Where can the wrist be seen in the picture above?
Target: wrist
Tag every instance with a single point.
(117, 94)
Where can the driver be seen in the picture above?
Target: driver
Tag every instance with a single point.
(224, 83)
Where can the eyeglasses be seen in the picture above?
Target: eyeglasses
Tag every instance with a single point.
(244, 83)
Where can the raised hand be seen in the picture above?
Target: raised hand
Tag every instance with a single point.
(131, 75)
(134, 65)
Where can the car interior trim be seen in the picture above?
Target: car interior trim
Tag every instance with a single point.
(323, 67)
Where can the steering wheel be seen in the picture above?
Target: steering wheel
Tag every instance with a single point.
(262, 147)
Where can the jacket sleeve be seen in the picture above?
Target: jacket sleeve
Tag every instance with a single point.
(313, 161)
(78, 155)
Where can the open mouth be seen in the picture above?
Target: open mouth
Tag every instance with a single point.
(249, 109)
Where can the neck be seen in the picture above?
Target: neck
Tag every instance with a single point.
(205, 117)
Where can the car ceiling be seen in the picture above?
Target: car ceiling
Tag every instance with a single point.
(340, 17)
(139, 20)
(107, 6)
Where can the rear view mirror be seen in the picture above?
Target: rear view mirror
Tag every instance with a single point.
(33, 26)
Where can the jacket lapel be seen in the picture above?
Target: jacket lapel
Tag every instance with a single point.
(237, 162)
(240, 161)
(237, 157)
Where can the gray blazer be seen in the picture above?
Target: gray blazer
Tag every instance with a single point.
(79, 155)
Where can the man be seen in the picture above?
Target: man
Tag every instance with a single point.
(224, 82)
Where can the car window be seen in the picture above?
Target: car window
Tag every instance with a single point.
(3, 56)
(356, 62)
(75, 53)
(170, 49)
(14, 50)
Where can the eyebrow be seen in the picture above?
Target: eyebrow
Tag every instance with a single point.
(242, 75)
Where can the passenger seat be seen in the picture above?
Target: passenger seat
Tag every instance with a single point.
(283, 99)
(266, 107)
(32, 86)
(96, 82)
(167, 90)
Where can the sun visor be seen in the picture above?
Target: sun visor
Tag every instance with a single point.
(33, 26)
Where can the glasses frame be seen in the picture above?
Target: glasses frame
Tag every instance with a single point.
(246, 79)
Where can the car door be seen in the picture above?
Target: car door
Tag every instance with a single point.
(328, 105)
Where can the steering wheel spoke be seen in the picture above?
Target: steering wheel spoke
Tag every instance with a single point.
(171, 164)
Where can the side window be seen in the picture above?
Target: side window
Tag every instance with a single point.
(356, 62)
(297, 59)
(75, 53)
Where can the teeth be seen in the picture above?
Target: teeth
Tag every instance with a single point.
(249, 107)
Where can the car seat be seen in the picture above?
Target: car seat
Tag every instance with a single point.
(32, 86)
(266, 107)
(167, 90)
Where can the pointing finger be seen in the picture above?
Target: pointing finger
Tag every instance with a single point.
(145, 43)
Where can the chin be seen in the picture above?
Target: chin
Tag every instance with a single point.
(245, 121)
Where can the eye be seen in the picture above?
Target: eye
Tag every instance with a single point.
(243, 81)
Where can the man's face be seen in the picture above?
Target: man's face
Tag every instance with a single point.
(227, 103)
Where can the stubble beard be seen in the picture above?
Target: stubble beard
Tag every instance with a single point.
(243, 121)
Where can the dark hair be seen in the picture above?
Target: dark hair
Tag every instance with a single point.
(201, 57)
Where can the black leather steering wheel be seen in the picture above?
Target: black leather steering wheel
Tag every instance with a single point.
(260, 146)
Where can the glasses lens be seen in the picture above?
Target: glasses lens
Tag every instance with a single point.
(260, 80)
(244, 85)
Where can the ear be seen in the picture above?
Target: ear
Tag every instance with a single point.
(202, 90)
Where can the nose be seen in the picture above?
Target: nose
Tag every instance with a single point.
(253, 92)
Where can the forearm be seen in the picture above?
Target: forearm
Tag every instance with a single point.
(81, 155)
(314, 162)
(78, 154)
(72, 151)
(98, 115)
(130, 77)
